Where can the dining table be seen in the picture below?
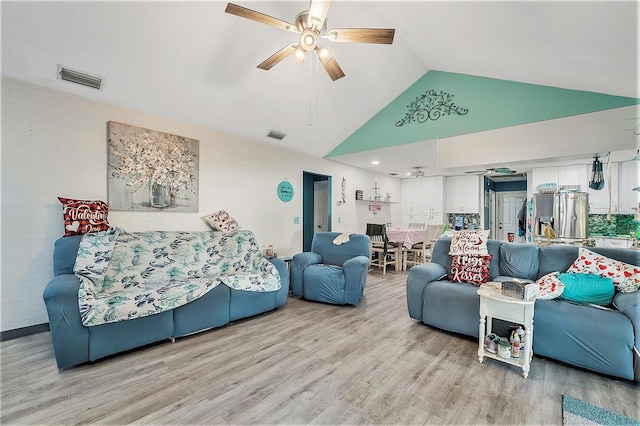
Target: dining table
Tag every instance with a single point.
(405, 237)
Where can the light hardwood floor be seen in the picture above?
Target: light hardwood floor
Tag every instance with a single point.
(305, 363)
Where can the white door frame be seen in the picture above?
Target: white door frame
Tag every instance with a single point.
(320, 211)
(493, 231)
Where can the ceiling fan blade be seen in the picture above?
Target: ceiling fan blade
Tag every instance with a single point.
(281, 54)
(329, 63)
(362, 35)
(243, 12)
(318, 12)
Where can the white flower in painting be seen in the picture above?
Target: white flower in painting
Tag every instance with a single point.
(167, 159)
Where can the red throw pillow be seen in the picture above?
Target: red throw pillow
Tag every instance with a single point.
(83, 216)
(470, 269)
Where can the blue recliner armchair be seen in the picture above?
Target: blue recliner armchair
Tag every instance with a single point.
(332, 273)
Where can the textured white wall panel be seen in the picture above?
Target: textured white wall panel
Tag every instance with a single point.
(55, 144)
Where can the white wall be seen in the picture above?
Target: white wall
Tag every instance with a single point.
(55, 144)
(578, 136)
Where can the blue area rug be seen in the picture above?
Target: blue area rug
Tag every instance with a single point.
(578, 412)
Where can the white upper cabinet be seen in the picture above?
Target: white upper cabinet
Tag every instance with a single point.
(540, 175)
(629, 178)
(462, 194)
(574, 175)
(422, 200)
(434, 206)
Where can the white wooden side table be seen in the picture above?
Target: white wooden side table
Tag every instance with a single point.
(493, 304)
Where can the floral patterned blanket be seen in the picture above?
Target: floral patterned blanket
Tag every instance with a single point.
(132, 275)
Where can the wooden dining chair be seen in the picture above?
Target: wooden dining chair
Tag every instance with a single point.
(381, 253)
(417, 226)
(433, 233)
(421, 252)
(417, 253)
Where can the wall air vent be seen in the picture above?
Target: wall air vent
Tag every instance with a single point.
(73, 76)
(274, 134)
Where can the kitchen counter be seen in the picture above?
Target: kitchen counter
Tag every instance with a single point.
(615, 241)
(585, 242)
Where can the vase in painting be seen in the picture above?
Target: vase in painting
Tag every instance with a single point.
(159, 194)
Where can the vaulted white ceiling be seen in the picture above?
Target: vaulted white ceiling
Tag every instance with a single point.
(193, 62)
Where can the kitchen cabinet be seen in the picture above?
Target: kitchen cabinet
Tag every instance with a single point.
(540, 175)
(422, 200)
(574, 175)
(628, 199)
(462, 194)
(599, 199)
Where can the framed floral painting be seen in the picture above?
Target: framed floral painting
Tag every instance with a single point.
(151, 170)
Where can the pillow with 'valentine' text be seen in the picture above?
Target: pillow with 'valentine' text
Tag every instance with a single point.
(84, 216)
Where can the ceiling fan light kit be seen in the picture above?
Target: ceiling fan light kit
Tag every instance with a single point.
(310, 25)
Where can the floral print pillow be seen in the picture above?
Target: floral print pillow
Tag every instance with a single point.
(549, 286)
(625, 277)
(221, 221)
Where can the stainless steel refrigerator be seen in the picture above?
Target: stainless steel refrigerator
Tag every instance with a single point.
(566, 212)
(571, 211)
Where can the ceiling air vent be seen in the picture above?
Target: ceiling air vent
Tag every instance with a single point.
(276, 134)
(89, 80)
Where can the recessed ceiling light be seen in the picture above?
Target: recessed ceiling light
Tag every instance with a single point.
(375, 162)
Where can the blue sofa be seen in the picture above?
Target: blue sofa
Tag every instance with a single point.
(74, 344)
(332, 273)
(602, 340)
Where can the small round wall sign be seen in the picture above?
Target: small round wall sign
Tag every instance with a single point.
(285, 191)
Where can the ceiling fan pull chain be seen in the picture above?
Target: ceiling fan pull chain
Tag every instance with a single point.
(310, 92)
(317, 92)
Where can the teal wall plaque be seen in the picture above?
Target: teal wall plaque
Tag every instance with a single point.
(285, 191)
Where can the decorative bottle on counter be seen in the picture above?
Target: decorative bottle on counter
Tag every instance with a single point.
(515, 345)
(520, 332)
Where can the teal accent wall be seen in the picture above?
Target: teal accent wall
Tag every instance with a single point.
(492, 104)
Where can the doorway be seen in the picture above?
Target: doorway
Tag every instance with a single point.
(505, 210)
(316, 206)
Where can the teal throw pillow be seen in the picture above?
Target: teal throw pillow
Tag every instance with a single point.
(587, 288)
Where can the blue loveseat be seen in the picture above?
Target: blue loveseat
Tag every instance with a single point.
(75, 344)
(602, 340)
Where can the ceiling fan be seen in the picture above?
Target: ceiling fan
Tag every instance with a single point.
(494, 171)
(417, 174)
(311, 25)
